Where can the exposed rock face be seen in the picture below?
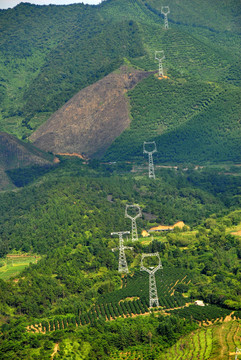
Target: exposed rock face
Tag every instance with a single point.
(90, 121)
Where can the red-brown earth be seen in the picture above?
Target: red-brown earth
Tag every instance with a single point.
(91, 120)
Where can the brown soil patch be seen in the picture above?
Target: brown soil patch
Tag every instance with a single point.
(73, 154)
(90, 121)
(31, 328)
(228, 317)
(205, 323)
(56, 160)
(17, 256)
(238, 233)
(173, 288)
(130, 299)
(221, 342)
(56, 348)
(163, 77)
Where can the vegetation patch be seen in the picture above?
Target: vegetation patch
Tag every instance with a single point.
(13, 264)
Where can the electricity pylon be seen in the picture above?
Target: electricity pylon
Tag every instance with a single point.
(238, 351)
(153, 297)
(150, 157)
(165, 11)
(159, 56)
(134, 233)
(122, 256)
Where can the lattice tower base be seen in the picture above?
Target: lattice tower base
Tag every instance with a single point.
(153, 297)
(151, 167)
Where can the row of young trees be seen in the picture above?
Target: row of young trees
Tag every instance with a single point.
(200, 313)
(176, 128)
(106, 311)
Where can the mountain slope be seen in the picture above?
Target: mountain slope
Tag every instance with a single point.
(17, 154)
(74, 48)
(89, 122)
(219, 15)
(190, 122)
(57, 50)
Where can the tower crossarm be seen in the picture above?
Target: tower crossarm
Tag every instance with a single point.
(133, 219)
(133, 206)
(165, 11)
(143, 268)
(146, 143)
(151, 254)
(128, 248)
(151, 271)
(120, 233)
(122, 247)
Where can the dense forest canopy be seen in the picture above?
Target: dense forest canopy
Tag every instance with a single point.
(67, 213)
(49, 53)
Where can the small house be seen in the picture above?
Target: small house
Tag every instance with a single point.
(199, 303)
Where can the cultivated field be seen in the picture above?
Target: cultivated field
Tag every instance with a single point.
(214, 342)
(14, 264)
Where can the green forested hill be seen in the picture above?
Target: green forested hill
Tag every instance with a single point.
(190, 122)
(218, 16)
(67, 216)
(72, 303)
(67, 50)
(49, 53)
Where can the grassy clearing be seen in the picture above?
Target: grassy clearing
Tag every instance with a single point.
(235, 230)
(12, 266)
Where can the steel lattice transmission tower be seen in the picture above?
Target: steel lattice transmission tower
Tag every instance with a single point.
(134, 233)
(159, 56)
(238, 351)
(122, 256)
(150, 157)
(165, 11)
(153, 297)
